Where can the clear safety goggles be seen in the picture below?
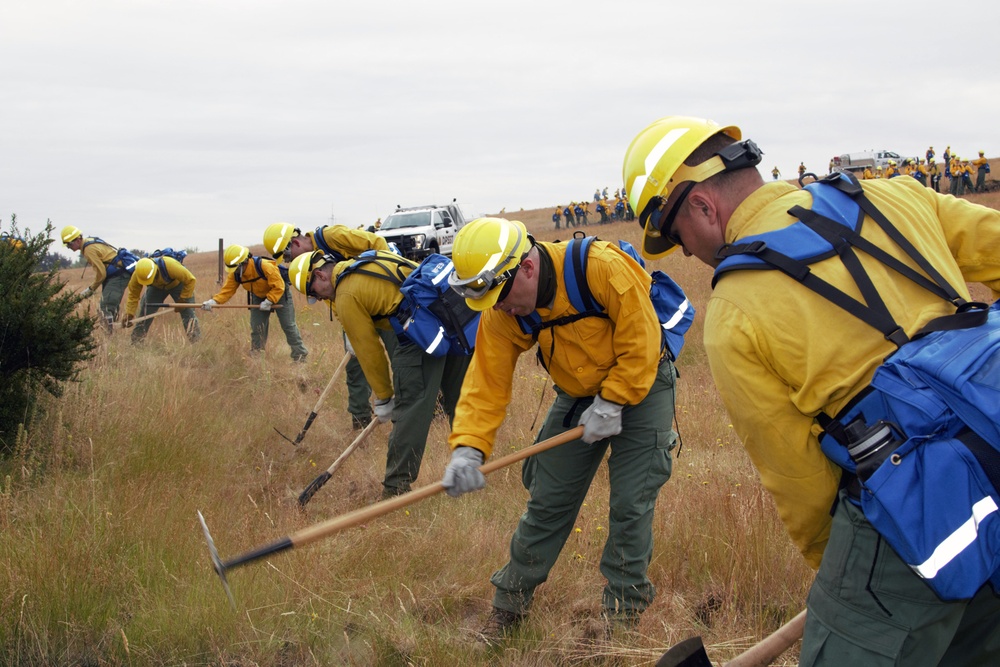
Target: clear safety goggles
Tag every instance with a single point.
(316, 261)
(479, 285)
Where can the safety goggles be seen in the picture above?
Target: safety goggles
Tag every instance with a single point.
(479, 285)
(316, 261)
(661, 219)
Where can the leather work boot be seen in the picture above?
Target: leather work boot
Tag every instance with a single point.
(500, 624)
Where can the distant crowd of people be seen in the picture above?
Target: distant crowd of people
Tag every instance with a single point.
(928, 171)
(610, 209)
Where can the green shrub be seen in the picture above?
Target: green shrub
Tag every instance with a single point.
(42, 339)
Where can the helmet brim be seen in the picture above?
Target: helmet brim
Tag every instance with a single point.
(487, 301)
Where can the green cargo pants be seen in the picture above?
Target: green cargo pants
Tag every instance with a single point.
(286, 318)
(417, 378)
(558, 480)
(157, 295)
(867, 607)
(359, 392)
(112, 290)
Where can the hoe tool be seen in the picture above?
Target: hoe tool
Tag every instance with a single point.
(315, 410)
(121, 325)
(691, 652)
(365, 514)
(244, 306)
(318, 483)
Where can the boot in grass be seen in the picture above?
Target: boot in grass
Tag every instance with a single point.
(500, 624)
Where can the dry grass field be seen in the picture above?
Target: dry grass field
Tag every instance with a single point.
(102, 561)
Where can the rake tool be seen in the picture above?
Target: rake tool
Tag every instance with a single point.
(318, 483)
(691, 652)
(315, 410)
(365, 514)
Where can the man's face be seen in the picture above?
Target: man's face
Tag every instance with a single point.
(523, 293)
(322, 286)
(298, 245)
(698, 229)
(75, 244)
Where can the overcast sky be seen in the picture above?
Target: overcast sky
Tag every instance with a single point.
(177, 123)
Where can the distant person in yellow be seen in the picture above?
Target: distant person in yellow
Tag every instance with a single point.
(112, 270)
(775, 173)
(920, 172)
(802, 169)
(956, 187)
(890, 171)
(867, 175)
(879, 173)
(162, 277)
(285, 242)
(982, 166)
(266, 287)
(934, 169)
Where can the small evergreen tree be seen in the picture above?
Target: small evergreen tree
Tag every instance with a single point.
(42, 339)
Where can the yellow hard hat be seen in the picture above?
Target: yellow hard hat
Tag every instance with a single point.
(277, 236)
(145, 271)
(234, 256)
(654, 167)
(982, 152)
(69, 233)
(486, 254)
(301, 269)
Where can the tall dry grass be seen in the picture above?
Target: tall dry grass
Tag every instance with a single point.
(102, 561)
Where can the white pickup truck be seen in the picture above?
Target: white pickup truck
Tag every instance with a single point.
(858, 161)
(419, 231)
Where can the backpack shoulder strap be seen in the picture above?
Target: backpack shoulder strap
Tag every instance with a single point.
(162, 267)
(324, 246)
(383, 265)
(577, 289)
(832, 227)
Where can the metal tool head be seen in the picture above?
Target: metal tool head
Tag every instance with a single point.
(689, 653)
(294, 442)
(220, 568)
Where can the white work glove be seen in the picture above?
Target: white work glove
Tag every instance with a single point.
(601, 420)
(349, 347)
(207, 305)
(86, 293)
(265, 305)
(383, 409)
(462, 474)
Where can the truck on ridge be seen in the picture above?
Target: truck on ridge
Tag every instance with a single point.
(419, 231)
(858, 161)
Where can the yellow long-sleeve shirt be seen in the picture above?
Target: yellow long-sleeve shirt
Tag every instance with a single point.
(780, 353)
(349, 242)
(363, 304)
(270, 285)
(616, 357)
(177, 274)
(98, 255)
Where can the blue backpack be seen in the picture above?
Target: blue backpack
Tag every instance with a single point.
(179, 255)
(431, 314)
(920, 446)
(673, 310)
(257, 264)
(124, 261)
